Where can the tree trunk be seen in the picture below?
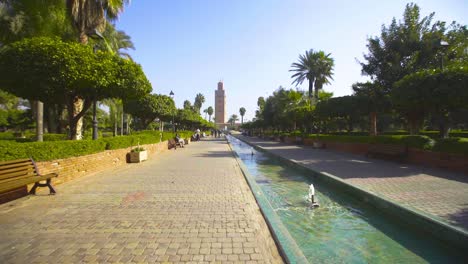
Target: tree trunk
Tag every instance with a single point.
(59, 115)
(77, 108)
(413, 126)
(77, 133)
(373, 124)
(127, 125)
(242, 120)
(444, 126)
(75, 119)
(311, 95)
(39, 121)
(122, 123)
(115, 124)
(51, 117)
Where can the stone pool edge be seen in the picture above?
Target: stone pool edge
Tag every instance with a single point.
(290, 252)
(419, 220)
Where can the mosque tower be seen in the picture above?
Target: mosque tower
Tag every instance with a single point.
(220, 105)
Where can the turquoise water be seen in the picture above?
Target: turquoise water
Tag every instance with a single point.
(342, 229)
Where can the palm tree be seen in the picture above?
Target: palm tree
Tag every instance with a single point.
(324, 70)
(316, 67)
(91, 15)
(87, 17)
(116, 41)
(233, 119)
(210, 112)
(199, 100)
(242, 113)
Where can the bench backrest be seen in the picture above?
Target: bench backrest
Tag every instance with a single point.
(17, 169)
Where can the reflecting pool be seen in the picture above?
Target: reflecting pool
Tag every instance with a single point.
(342, 229)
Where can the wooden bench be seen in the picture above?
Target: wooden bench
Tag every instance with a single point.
(174, 143)
(18, 173)
(386, 150)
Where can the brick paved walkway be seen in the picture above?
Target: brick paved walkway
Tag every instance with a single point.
(440, 193)
(192, 204)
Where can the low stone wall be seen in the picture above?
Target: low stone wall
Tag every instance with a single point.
(76, 167)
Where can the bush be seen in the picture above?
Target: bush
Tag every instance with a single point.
(50, 150)
(452, 145)
(40, 151)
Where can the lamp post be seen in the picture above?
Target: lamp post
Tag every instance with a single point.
(444, 44)
(97, 35)
(171, 94)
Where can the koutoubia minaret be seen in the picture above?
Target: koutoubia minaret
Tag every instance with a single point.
(220, 105)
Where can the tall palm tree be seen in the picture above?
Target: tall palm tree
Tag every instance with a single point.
(242, 113)
(233, 119)
(324, 71)
(210, 112)
(88, 16)
(199, 100)
(316, 67)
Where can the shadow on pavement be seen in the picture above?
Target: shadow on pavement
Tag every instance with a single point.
(215, 154)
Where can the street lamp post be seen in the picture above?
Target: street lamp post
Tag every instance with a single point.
(171, 94)
(444, 44)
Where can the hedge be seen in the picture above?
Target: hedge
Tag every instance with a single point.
(450, 145)
(50, 150)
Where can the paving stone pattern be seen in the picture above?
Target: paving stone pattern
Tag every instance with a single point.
(189, 205)
(437, 192)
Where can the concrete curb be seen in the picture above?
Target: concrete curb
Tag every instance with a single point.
(417, 220)
(287, 246)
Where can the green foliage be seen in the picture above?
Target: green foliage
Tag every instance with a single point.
(50, 150)
(316, 67)
(41, 151)
(452, 145)
(150, 107)
(138, 149)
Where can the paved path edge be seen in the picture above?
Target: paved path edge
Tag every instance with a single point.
(289, 250)
(414, 218)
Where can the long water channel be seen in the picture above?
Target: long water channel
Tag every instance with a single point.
(342, 229)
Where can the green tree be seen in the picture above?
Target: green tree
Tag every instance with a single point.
(188, 105)
(197, 104)
(88, 16)
(150, 107)
(316, 67)
(67, 71)
(233, 119)
(210, 112)
(440, 92)
(373, 100)
(242, 113)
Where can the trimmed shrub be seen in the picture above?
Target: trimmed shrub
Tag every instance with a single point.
(50, 150)
(41, 151)
(452, 145)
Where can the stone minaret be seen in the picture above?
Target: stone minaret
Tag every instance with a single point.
(220, 104)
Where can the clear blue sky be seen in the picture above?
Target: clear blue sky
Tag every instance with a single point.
(189, 45)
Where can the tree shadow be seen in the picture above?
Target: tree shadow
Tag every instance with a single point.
(460, 218)
(215, 154)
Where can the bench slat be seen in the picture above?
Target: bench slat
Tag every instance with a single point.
(19, 173)
(3, 163)
(12, 170)
(15, 165)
